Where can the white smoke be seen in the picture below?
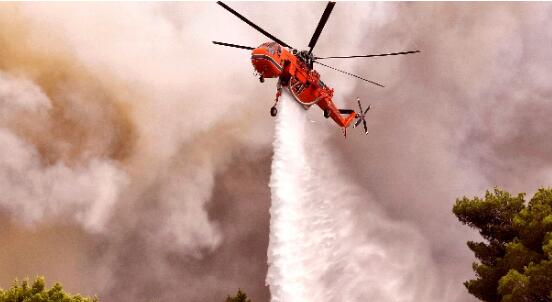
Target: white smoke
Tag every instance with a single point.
(124, 117)
(321, 248)
(38, 191)
(20, 94)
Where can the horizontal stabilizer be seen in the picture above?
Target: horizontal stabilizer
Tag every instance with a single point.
(346, 111)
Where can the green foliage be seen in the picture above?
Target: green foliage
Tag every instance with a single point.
(493, 216)
(513, 286)
(37, 292)
(239, 297)
(515, 261)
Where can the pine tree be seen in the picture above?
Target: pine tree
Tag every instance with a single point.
(515, 260)
(37, 292)
(239, 297)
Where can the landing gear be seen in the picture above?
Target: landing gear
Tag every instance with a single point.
(261, 79)
(326, 113)
(273, 111)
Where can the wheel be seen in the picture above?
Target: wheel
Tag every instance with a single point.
(326, 113)
(261, 79)
(273, 111)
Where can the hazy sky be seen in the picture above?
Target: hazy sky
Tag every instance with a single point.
(135, 155)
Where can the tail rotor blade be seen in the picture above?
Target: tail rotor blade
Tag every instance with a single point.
(359, 105)
(369, 106)
(357, 122)
(361, 117)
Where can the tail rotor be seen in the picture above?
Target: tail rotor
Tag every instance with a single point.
(361, 116)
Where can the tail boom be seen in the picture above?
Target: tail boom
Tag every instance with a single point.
(342, 117)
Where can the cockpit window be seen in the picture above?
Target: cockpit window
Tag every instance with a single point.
(273, 48)
(278, 48)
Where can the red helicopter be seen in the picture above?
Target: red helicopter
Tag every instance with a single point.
(294, 70)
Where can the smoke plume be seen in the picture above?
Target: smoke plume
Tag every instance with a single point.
(135, 155)
(109, 132)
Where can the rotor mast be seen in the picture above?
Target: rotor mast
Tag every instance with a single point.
(307, 56)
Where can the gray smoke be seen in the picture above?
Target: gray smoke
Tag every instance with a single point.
(135, 154)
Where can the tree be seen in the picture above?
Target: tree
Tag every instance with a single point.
(515, 260)
(37, 292)
(239, 297)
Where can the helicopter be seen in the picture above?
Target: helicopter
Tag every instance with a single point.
(295, 71)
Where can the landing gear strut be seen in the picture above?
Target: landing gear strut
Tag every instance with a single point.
(274, 110)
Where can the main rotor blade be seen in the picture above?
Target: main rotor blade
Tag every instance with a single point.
(348, 73)
(321, 25)
(233, 45)
(368, 56)
(244, 19)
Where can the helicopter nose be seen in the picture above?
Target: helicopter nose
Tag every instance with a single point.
(265, 63)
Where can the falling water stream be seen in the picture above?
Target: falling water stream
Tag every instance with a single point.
(322, 247)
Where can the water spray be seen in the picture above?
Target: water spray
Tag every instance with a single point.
(321, 248)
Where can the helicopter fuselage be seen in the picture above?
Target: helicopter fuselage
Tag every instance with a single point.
(295, 72)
